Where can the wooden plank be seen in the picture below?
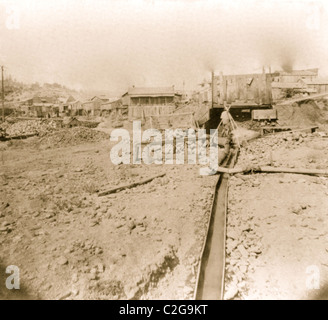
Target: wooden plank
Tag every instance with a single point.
(127, 186)
(221, 89)
(258, 93)
(224, 84)
(287, 128)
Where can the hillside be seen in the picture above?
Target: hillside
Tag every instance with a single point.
(15, 91)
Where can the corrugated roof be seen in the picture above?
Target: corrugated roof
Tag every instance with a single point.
(153, 91)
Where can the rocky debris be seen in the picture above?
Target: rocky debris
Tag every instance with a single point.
(65, 295)
(301, 114)
(260, 151)
(231, 292)
(131, 225)
(85, 248)
(163, 263)
(133, 289)
(6, 227)
(298, 209)
(93, 274)
(94, 222)
(106, 289)
(242, 245)
(72, 136)
(3, 207)
(29, 127)
(62, 261)
(287, 204)
(56, 214)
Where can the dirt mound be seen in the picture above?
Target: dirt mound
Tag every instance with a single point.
(301, 115)
(27, 127)
(73, 136)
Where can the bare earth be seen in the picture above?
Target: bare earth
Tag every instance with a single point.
(277, 223)
(145, 242)
(69, 243)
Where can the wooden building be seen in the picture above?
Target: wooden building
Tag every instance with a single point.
(295, 75)
(283, 90)
(243, 90)
(317, 85)
(113, 105)
(243, 93)
(98, 101)
(150, 96)
(150, 101)
(88, 108)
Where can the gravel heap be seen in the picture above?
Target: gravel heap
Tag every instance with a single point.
(73, 136)
(27, 127)
(301, 115)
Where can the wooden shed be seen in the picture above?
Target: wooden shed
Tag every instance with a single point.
(243, 93)
(150, 101)
(317, 85)
(243, 90)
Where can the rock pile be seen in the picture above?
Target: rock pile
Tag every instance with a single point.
(73, 136)
(259, 152)
(28, 127)
(302, 115)
(243, 246)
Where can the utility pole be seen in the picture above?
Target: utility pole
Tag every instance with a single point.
(212, 84)
(3, 96)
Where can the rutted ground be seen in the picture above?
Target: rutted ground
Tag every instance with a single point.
(277, 223)
(145, 242)
(141, 243)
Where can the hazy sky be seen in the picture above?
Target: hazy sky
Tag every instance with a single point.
(111, 45)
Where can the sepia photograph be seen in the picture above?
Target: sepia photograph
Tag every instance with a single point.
(163, 150)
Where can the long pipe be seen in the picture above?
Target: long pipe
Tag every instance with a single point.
(268, 169)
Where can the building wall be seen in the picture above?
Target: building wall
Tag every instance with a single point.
(292, 78)
(248, 88)
(145, 101)
(138, 112)
(126, 100)
(320, 88)
(277, 93)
